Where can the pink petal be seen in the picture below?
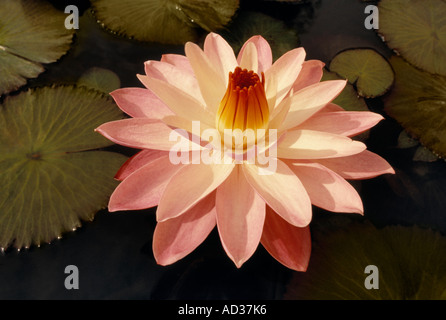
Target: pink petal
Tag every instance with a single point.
(137, 161)
(289, 245)
(345, 123)
(364, 165)
(190, 184)
(310, 74)
(283, 192)
(240, 217)
(285, 70)
(309, 144)
(331, 107)
(140, 103)
(264, 53)
(139, 133)
(175, 238)
(198, 131)
(249, 58)
(327, 190)
(310, 100)
(179, 61)
(212, 83)
(220, 54)
(181, 103)
(143, 188)
(175, 76)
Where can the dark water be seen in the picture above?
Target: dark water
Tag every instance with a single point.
(114, 253)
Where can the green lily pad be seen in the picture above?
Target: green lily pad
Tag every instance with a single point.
(417, 30)
(50, 181)
(169, 22)
(348, 98)
(100, 79)
(32, 32)
(418, 103)
(248, 24)
(366, 69)
(410, 265)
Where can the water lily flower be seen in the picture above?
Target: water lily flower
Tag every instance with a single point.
(313, 153)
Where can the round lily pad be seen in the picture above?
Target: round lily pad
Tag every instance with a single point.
(366, 69)
(348, 98)
(418, 102)
(50, 179)
(248, 24)
(416, 29)
(409, 265)
(32, 32)
(169, 22)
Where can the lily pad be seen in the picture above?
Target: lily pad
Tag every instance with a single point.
(100, 79)
(410, 262)
(32, 32)
(50, 181)
(418, 103)
(169, 22)
(247, 24)
(366, 69)
(417, 30)
(348, 98)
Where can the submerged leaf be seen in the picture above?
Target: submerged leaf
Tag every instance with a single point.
(100, 79)
(170, 22)
(366, 69)
(410, 263)
(418, 103)
(417, 30)
(32, 32)
(48, 185)
(248, 24)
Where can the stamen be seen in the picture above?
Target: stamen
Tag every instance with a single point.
(244, 105)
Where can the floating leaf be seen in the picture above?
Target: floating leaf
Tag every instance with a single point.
(48, 184)
(100, 79)
(366, 69)
(170, 22)
(410, 262)
(418, 103)
(417, 30)
(32, 32)
(247, 24)
(348, 98)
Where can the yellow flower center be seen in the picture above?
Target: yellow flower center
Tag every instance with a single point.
(244, 105)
